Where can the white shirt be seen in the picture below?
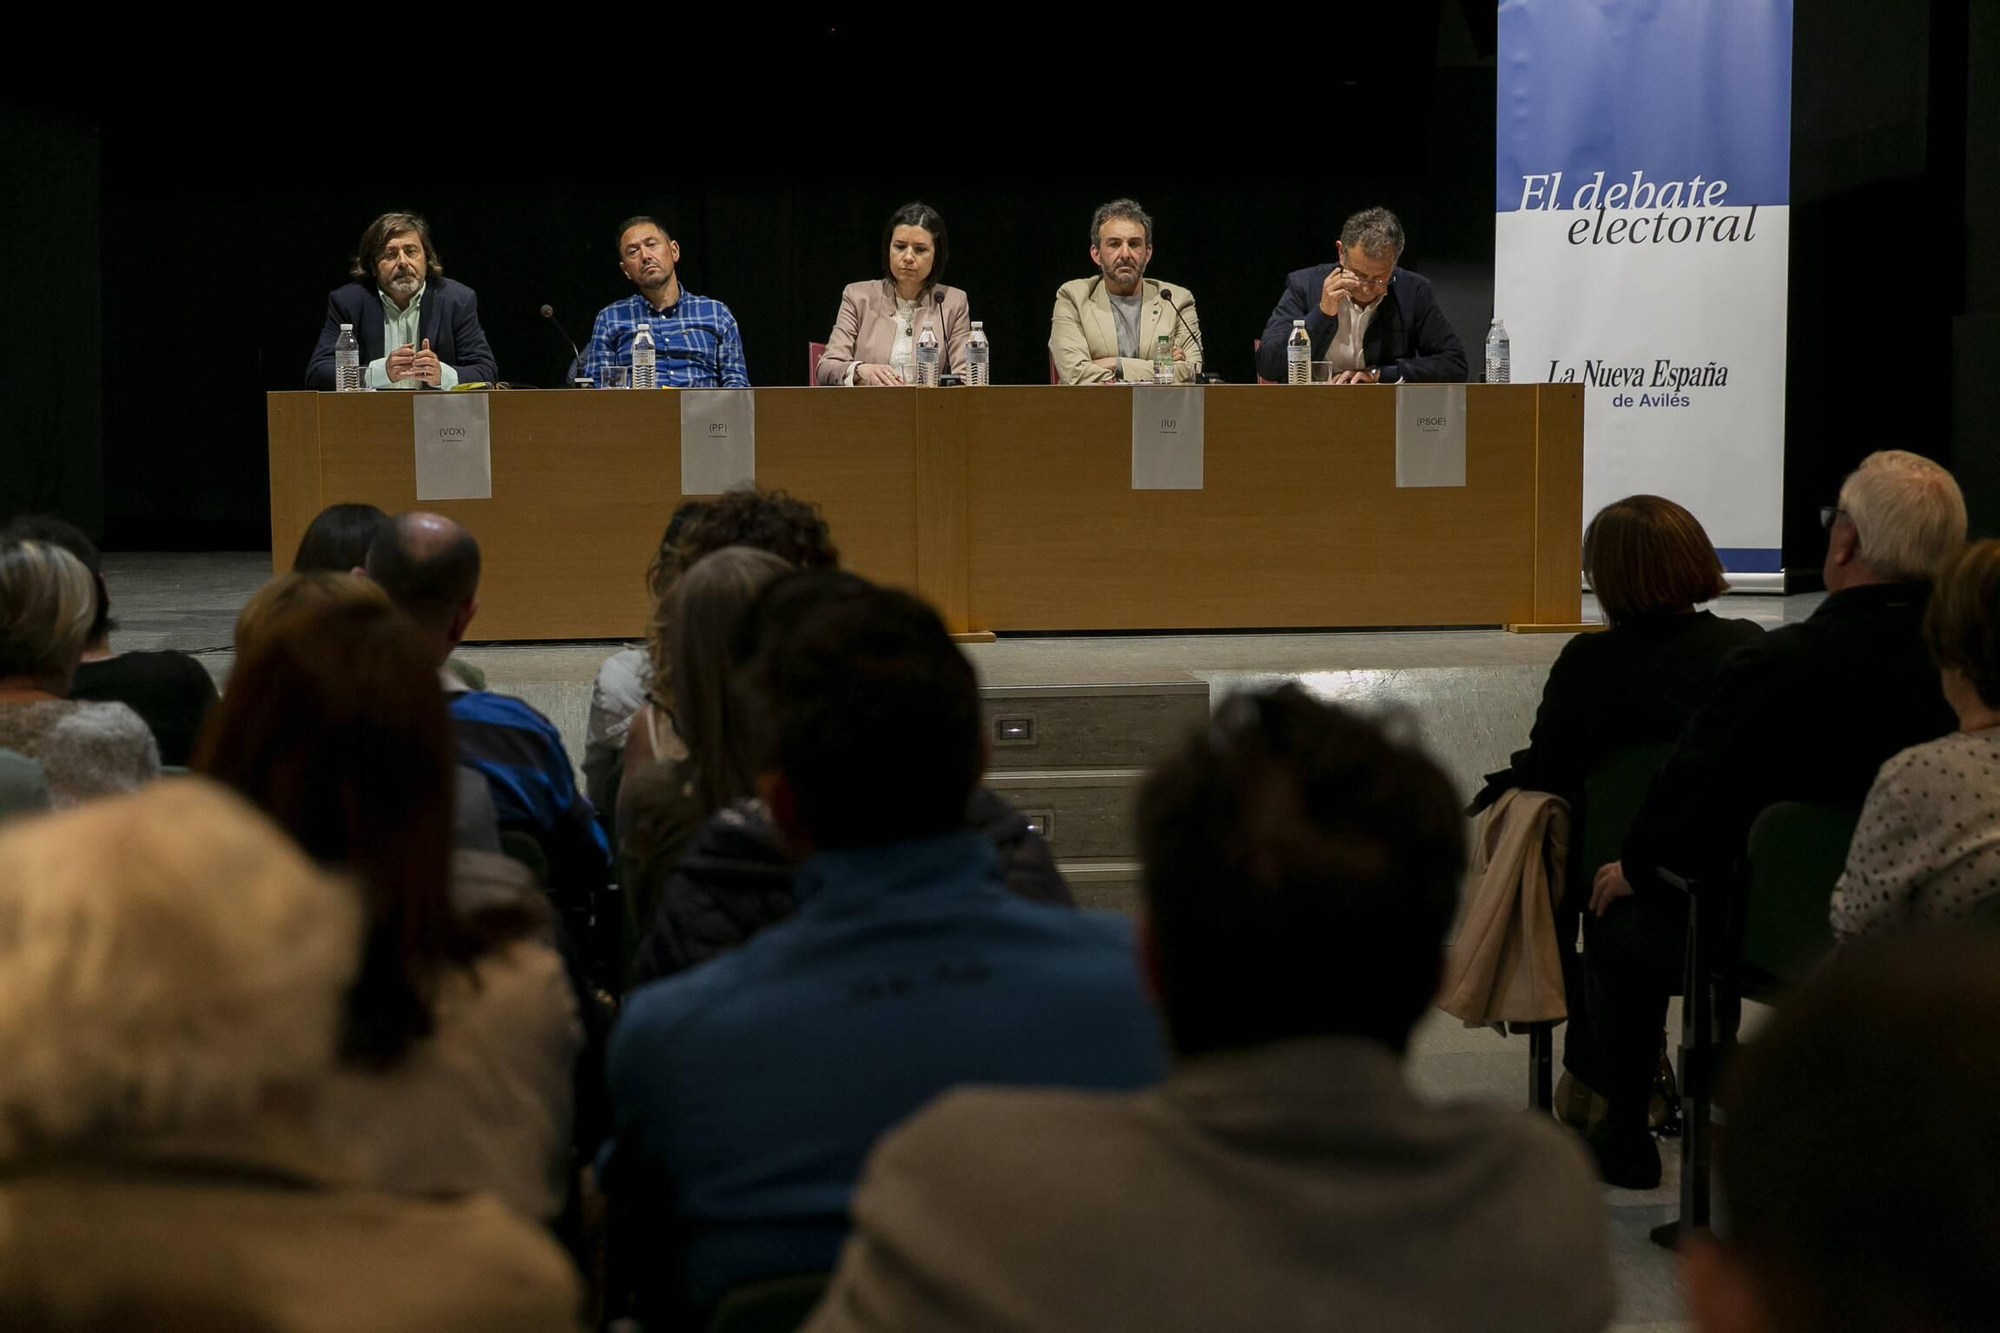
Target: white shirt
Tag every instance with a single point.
(904, 348)
(1927, 849)
(1345, 352)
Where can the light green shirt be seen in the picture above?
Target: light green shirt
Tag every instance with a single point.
(400, 328)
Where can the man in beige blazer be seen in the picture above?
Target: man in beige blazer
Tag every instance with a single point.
(1105, 328)
(1302, 866)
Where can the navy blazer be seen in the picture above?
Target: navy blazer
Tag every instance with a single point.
(1409, 338)
(450, 321)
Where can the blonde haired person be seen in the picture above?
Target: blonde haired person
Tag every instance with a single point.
(1927, 849)
(47, 603)
(173, 975)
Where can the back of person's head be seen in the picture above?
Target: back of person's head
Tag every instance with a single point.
(863, 706)
(287, 593)
(428, 565)
(334, 724)
(1908, 514)
(1301, 867)
(789, 528)
(1860, 1166)
(167, 960)
(48, 602)
(53, 531)
(1645, 555)
(338, 538)
(708, 601)
(1962, 621)
(667, 563)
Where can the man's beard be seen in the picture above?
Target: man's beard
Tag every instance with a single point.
(404, 284)
(1113, 277)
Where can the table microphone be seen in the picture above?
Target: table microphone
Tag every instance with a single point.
(576, 365)
(1167, 295)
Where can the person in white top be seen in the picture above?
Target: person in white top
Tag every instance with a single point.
(1927, 849)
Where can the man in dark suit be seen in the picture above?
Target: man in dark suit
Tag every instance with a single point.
(1375, 322)
(416, 327)
(1808, 712)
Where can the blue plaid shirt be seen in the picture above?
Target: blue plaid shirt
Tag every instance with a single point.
(696, 343)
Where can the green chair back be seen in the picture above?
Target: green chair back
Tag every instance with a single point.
(22, 786)
(773, 1305)
(1796, 852)
(1613, 791)
(1985, 914)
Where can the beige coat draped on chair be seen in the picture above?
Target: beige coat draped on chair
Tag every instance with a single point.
(1505, 965)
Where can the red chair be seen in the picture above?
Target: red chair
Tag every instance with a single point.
(1256, 345)
(814, 351)
(1053, 377)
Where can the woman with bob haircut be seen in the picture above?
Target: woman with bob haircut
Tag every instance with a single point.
(48, 601)
(880, 320)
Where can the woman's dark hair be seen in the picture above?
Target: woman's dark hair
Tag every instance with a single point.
(1962, 621)
(53, 531)
(338, 538)
(919, 215)
(1645, 555)
(380, 232)
(334, 726)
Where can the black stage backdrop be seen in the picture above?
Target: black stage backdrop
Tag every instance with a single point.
(179, 241)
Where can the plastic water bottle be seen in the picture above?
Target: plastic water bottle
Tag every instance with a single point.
(1163, 360)
(1497, 357)
(1299, 355)
(978, 356)
(346, 361)
(927, 357)
(643, 375)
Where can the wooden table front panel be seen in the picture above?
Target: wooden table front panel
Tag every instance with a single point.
(584, 483)
(1299, 521)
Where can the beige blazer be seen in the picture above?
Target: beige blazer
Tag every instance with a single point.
(1301, 1185)
(865, 329)
(1083, 329)
(1506, 960)
(251, 1229)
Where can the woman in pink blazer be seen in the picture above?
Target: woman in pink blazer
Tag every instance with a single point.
(880, 321)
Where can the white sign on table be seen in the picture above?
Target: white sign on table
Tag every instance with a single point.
(1166, 438)
(454, 446)
(718, 440)
(1430, 435)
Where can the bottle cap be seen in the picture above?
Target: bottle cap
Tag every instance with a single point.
(978, 324)
(347, 328)
(1298, 323)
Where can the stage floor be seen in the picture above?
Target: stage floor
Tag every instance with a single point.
(1472, 693)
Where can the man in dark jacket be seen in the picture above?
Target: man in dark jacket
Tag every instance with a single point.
(417, 328)
(1375, 322)
(1809, 712)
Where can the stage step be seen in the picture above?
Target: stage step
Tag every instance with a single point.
(1091, 726)
(1110, 885)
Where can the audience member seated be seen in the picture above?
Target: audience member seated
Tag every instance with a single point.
(172, 976)
(747, 1091)
(477, 828)
(666, 802)
(708, 895)
(462, 1033)
(1927, 848)
(1859, 1164)
(620, 689)
(171, 691)
(1808, 712)
(1649, 563)
(429, 566)
(338, 538)
(773, 521)
(1301, 869)
(47, 603)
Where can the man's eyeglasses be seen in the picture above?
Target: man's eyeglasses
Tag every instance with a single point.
(1828, 513)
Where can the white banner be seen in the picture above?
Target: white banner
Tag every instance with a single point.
(1641, 241)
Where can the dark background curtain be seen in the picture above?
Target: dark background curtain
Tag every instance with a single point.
(170, 248)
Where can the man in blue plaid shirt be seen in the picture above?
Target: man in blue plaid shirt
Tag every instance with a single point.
(696, 342)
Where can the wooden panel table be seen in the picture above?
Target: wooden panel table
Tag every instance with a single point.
(1010, 508)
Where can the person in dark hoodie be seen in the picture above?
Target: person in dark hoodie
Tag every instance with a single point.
(700, 858)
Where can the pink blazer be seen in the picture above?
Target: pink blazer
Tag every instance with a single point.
(865, 330)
